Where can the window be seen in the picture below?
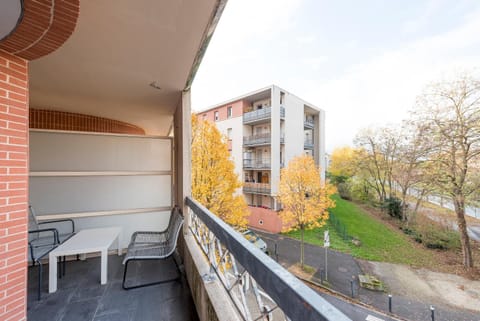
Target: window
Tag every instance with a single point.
(229, 133)
(216, 116)
(229, 112)
(282, 98)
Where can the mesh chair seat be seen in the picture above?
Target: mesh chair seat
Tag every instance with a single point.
(153, 245)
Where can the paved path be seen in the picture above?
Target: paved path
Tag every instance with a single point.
(342, 268)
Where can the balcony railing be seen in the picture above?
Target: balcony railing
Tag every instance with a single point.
(308, 123)
(260, 115)
(263, 163)
(260, 139)
(308, 144)
(257, 285)
(257, 188)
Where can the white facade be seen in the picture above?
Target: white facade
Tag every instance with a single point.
(267, 129)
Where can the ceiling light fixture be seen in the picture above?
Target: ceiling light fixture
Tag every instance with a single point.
(11, 13)
(154, 85)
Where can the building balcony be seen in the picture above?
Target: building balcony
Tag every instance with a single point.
(252, 164)
(308, 144)
(257, 140)
(214, 256)
(257, 188)
(308, 123)
(260, 140)
(260, 116)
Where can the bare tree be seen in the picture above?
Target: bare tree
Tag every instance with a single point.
(450, 112)
(409, 167)
(377, 153)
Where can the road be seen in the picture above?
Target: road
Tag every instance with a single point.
(354, 311)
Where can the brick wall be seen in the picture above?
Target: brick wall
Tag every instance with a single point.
(264, 219)
(13, 186)
(59, 120)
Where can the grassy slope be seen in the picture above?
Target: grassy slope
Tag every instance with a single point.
(378, 241)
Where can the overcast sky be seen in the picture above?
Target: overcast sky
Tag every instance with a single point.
(363, 62)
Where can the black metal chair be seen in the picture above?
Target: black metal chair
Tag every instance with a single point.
(153, 245)
(43, 238)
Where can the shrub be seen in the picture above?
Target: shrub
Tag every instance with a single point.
(344, 191)
(393, 205)
(434, 235)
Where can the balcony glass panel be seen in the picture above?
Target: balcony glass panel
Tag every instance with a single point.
(256, 163)
(257, 188)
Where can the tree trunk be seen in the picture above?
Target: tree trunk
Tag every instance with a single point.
(462, 228)
(301, 249)
(404, 205)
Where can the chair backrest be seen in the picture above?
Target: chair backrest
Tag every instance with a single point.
(174, 228)
(32, 219)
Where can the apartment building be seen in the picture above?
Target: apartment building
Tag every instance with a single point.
(265, 129)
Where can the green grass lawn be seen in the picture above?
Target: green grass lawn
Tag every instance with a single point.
(378, 241)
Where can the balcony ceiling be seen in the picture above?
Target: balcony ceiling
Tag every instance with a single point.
(120, 47)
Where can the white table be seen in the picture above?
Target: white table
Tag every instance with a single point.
(85, 241)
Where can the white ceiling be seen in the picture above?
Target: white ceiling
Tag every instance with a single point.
(118, 48)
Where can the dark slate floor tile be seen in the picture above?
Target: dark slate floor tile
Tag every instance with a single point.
(81, 297)
(118, 316)
(80, 311)
(86, 293)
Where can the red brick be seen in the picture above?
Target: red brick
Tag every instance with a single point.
(10, 148)
(17, 185)
(18, 156)
(13, 163)
(21, 90)
(14, 211)
(18, 126)
(13, 178)
(14, 171)
(14, 103)
(16, 245)
(13, 118)
(17, 141)
(12, 133)
(18, 200)
(13, 73)
(20, 68)
(12, 259)
(14, 314)
(19, 111)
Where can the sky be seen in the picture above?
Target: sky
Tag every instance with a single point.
(363, 62)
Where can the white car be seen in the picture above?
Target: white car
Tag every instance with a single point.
(255, 240)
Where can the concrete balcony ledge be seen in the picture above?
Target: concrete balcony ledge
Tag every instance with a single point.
(211, 299)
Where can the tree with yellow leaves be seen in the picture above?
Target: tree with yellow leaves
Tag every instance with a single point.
(304, 197)
(342, 163)
(213, 178)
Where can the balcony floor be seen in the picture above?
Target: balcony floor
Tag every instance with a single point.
(81, 297)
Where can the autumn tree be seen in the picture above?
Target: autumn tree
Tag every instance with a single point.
(409, 168)
(450, 111)
(214, 181)
(342, 164)
(377, 150)
(304, 197)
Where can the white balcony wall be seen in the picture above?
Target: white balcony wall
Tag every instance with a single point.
(236, 124)
(86, 176)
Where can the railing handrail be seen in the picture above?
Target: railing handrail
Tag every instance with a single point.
(297, 300)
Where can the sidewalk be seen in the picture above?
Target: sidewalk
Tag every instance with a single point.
(342, 268)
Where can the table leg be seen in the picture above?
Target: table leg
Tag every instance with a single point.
(104, 263)
(119, 248)
(52, 273)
